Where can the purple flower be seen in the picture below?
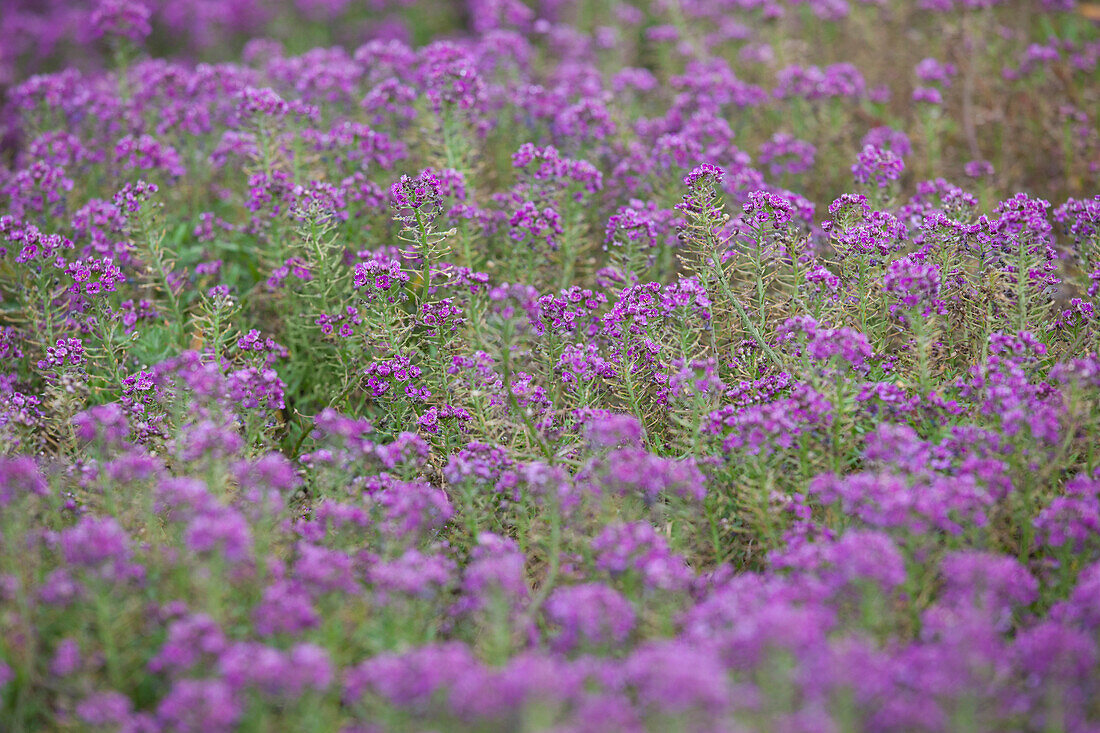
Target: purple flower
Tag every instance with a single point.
(532, 222)
(1082, 608)
(877, 167)
(978, 169)
(66, 658)
(1072, 520)
(926, 95)
(825, 344)
(1080, 218)
(589, 614)
(548, 171)
(99, 545)
(200, 706)
(638, 225)
(703, 176)
(378, 278)
(931, 71)
(192, 640)
(994, 584)
(19, 476)
(483, 465)
(770, 426)
(410, 679)
(785, 154)
(146, 153)
(916, 285)
(633, 471)
(767, 211)
(286, 608)
(417, 201)
(614, 431)
(890, 139)
(413, 574)
(676, 677)
(124, 18)
(322, 570)
(912, 504)
(637, 548)
(93, 277)
(450, 78)
(856, 557)
(497, 568)
(279, 675)
(103, 709)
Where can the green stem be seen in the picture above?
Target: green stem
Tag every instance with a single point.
(555, 563)
(506, 379)
(745, 320)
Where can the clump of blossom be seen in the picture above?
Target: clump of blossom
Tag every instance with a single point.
(122, 18)
(412, 574)
(417, 201)
(65, 352)
(636, 547)
(589, 615)
(573, 309)
(824, 343)
(1072, 521)
(265, 349)
(546, 169)
(702, 183)
(978, 169)
(877, 167)
(496, 571)
(633, 471)
(380, 376)
(614, 431)
(510, 301)
(888, 138)
(932, 71)
(823, 284)
(483, 465)
(814, 83)
(770, 426)
(856, 558)
(638, 225)
(32, 245)
(786, 154)
(533, 223)
(579, 364)
(896, 502)
(93, 277)
(104, 423)
(380, 280)
(915, 284)
(694, 377)
(146, 153)
(263, 101)
(342, 324)
(442, 316)
(451, 78)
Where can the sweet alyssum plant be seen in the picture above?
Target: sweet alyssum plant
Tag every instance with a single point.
(549, 366)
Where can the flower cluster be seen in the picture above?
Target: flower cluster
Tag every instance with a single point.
(441, 317)
(380, 376)
(65, 351)
(916, 285)
(380, 279)
(122, 18)
(417, 201)
(877, 167)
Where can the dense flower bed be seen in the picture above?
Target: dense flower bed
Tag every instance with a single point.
(688, 365)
